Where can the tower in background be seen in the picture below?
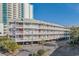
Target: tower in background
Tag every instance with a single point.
(11, 11)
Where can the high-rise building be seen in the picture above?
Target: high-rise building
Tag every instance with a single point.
(11, 11)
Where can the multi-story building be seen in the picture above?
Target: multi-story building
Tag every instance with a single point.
(34, 30)
(19, 24)
(1, 29)
(11, 11)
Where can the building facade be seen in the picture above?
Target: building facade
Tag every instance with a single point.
(19, 24)
(1, 29)
(34, 30)
(11, 11)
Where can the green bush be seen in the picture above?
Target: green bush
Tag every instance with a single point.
(11, 45)
(73, 43)
(74, 35)
(40, 52)
(8, 45)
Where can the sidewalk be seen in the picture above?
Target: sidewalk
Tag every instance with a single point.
(2, 54)
(50, 51)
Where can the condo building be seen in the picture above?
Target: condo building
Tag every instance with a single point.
(11, 11)
(35, 30)
(20, 25)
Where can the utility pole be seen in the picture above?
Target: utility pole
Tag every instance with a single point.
(13, 29)
(23, 32)
(32, 42)
(31, 32)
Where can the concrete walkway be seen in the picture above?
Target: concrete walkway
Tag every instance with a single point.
(2, 54)
(53, 48)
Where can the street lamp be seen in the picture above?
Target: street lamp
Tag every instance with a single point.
(14, 29)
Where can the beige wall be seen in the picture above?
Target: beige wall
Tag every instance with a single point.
(28, 11)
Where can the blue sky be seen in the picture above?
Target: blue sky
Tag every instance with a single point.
(61, 13)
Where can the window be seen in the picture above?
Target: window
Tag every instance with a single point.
(4, 13)
(0, 33)
(20, 29)
(22, 10)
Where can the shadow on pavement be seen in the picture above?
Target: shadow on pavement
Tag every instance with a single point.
(48, 44)
(65, 50)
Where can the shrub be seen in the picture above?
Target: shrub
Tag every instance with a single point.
(11, 45)
(71, 43)
(40, 52)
